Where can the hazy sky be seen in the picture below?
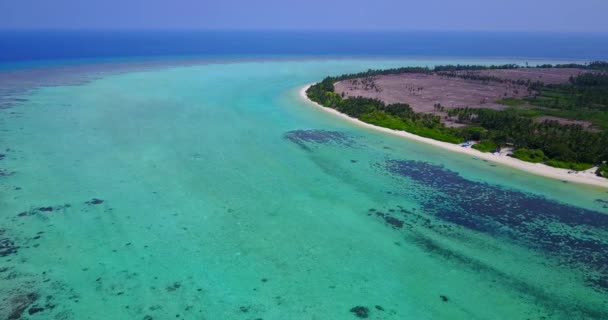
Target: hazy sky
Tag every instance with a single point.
(506, 15)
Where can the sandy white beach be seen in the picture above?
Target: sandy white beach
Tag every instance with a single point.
(584, 177)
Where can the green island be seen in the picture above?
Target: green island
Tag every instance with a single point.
(551, 114)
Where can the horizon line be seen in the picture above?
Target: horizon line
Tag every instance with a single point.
(288, 30)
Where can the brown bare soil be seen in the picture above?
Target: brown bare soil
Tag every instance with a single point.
(585, 124)
(544, 75)
(424, 91)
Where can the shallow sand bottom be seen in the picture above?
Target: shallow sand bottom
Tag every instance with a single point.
(165, 194)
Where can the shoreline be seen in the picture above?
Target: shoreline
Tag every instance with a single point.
(586, 177)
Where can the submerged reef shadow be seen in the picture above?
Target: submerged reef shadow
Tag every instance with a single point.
(307, 138)
(528, 219)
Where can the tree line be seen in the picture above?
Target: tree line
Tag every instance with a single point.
(560, 145)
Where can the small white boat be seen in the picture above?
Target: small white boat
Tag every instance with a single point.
(467, 144)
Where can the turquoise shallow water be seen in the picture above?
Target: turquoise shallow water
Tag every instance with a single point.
(214, 192)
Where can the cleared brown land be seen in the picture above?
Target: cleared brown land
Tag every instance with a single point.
(423, 91)
(585, 124)
(544, 75)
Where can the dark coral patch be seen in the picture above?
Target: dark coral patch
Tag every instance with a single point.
(20, 303)
(46, 209)
(526, 218)
(173, 287)
(7, 247)
(388, 219)
(360, 311)
(5, 173)
(394, 222)
(35, 309)
(306, 138)
(94, 201)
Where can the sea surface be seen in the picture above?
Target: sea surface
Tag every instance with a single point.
(35, 47)
(206, 188)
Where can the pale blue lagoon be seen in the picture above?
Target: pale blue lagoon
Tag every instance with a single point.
(212, 190)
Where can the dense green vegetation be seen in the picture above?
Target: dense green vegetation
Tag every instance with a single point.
(568, 165)
(587, 91)
(394, 116)
(583, 98)
(560, 145)
(563, 146)
(602, 171)
(485, 146)
(529, 155)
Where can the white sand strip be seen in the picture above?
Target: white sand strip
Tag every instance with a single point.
(584, 177)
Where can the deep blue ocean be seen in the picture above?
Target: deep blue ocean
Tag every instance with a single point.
(27, 46)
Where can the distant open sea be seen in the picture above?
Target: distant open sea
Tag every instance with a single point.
(28, 46)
